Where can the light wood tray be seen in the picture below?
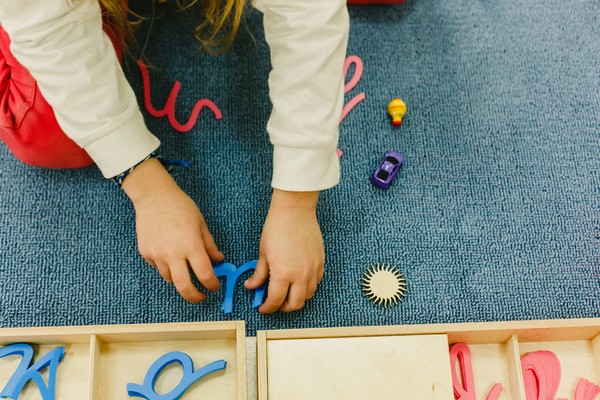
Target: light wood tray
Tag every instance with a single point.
(412, 361)
(100, 360)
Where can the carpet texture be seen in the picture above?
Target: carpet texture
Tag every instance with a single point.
(495, 214)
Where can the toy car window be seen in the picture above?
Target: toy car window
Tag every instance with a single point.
(382, 175)
(393, 160)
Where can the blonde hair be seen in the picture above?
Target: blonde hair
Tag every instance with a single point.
(220, 21)
(114, 17)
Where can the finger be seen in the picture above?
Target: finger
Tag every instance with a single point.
(276, 295)
(204, 271)
(260, 275)
(163, 270)
(183, 282)
(311, 289)
(295, 299)
(321, 274)
(211, 247)
(150, 262)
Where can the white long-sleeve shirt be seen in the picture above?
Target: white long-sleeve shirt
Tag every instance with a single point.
(63, 46)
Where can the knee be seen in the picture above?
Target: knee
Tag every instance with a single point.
(38, 140)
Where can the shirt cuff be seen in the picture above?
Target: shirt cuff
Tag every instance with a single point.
(123, 148)
(304, 170)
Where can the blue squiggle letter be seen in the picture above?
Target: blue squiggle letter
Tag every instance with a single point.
(25, 373)
(232, 274)
(147, 391)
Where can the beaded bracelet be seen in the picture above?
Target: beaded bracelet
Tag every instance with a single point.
(168, 164)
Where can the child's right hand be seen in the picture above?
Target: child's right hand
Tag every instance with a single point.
(172, 234)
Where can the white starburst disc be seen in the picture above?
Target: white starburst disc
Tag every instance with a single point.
(384, 285)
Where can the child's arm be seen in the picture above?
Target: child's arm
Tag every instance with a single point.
(291, 252)
(172, 234)
(307, 39)
(63, 46)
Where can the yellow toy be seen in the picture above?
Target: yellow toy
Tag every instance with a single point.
(396, 109)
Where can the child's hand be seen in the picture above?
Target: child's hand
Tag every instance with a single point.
(291, 252)
(172, 234)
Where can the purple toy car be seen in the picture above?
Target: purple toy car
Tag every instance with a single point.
(388, 169)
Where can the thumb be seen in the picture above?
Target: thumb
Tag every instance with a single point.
(259, 276)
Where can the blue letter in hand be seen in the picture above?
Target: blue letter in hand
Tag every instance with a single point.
(232, 275)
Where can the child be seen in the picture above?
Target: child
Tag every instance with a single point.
(67, 104)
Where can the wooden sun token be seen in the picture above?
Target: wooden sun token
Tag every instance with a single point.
(383, 285)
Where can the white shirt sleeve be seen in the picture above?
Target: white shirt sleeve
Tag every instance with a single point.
(74, 63)
(307, 40)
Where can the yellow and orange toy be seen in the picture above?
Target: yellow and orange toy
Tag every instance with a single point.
(396, 109)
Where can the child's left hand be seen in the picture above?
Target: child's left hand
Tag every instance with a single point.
(291, 252)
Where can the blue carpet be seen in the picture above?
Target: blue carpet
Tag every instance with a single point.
(494, 216)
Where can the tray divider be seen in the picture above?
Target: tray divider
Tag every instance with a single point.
(514, 365)
(95, 344)
(240, 338)
(261, 361)
(596, 345)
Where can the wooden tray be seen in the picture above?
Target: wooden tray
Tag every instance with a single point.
(100, 361)
(412, 361)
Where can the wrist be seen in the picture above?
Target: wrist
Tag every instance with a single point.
(299, 200)
(146, 181)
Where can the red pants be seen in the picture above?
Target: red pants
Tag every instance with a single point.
(28, 126)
